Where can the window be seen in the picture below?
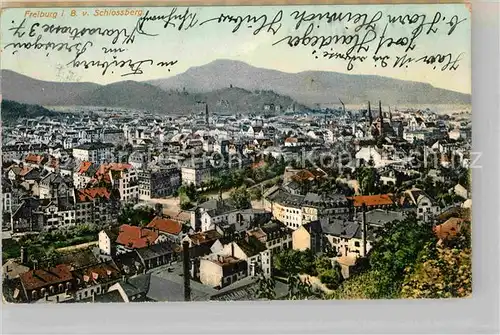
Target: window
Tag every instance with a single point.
(356, 244)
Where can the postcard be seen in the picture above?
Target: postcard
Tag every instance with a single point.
(221, 153)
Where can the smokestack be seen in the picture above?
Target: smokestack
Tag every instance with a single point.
(363, 233)
(370, 118)
(206, 114)
(187, 287)
(24, 256)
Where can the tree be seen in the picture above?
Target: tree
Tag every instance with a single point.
(266, 288)
(323, 264)
(291, 261)
(298, 289)
(443, 271)
(360, 286)
(241, 198)
(399, 247)
(368, 179)
(255, 193)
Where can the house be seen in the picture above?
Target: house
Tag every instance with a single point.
(251, 250)
(274, 235)
(26, 216)
(84, 174)
(106, 242)
(124, 178)
(12, 269)
(294, 210)
(168, 227)
(450, 228)
(132, 237)
(383, 201)
(157, 254)
(461, 191)
(96, 205)
(96, 152)
(95, 280)
(334, 237)
(158, 183)
(426, 207)
(196, 173)
(200, 243)
(219, 271)
(54, 185)
(39, 283)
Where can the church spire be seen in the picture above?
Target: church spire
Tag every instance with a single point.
(381, 118)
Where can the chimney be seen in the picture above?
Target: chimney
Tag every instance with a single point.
(363, 233)
(24, 256)
(187, 288)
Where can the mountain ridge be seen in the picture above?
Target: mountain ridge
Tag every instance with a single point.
(217, 83)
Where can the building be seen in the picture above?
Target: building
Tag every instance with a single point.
(96, 206)
(97, 152)
(334, 237)
(95, 280)
(40, 283)
(274, 235)
(294, 210)
(196, 174)
(159, 183)
(170, 228)
(425, 206)
(123, 177)
(220, 271)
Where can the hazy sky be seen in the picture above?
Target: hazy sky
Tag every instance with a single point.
(211, 41)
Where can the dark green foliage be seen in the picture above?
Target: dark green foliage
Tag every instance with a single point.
(136, 216)
(295, 262)
(241, 198)
(12, 111)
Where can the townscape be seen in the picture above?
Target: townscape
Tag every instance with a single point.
(113, 205)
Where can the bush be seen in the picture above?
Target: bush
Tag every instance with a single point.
(331, 278)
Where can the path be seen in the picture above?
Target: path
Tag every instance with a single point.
(78, 246)
(315, 282)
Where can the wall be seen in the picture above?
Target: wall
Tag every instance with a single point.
(301, 239)
(210, 273)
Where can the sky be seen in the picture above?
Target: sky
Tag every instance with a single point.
(204, 44)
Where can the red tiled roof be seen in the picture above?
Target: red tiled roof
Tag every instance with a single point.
(135, 237)
(88, 194)
(372, 200)
(35, 159)
(259, 164)
(25, 171)
(204, 237)
(449, 228)
(303, 175)
(166, 225)
(39, 278)
(291, 140)
(84, 166)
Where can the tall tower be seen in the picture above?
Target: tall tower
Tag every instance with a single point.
(370, 117)
(207, 122)
(381, 118)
